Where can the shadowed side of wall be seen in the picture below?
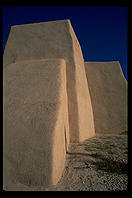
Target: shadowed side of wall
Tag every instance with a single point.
(108, 91)
(35, 115)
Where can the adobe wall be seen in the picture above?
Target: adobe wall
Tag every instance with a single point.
(56, 39)
(35, 123)
(86, 127)
(108, 91)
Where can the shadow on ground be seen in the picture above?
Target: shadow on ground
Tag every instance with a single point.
(103, 152)
(109, 165)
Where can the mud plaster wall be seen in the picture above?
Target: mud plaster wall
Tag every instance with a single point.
(85, 113)
(35, 114)
(56, 39)
(108, 91)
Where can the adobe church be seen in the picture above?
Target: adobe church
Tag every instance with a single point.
(52, 98)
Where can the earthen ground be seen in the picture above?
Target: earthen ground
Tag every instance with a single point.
(97, 164)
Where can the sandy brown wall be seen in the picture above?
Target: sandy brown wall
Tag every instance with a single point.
(38, 40)
(108, 91)
(85, 112)
(61, 136)
(55, 39)
(34, 120)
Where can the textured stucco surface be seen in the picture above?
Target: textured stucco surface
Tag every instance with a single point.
(35, 120)
(56, 39)
(108, 91)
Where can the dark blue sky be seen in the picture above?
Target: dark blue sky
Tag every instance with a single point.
(101, 31)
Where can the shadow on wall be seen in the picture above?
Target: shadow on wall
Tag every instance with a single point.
(72, 101)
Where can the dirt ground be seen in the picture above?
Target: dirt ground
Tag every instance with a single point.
(97, 164)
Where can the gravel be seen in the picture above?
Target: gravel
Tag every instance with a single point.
(97, 164)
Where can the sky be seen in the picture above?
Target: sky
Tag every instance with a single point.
(101, 31)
